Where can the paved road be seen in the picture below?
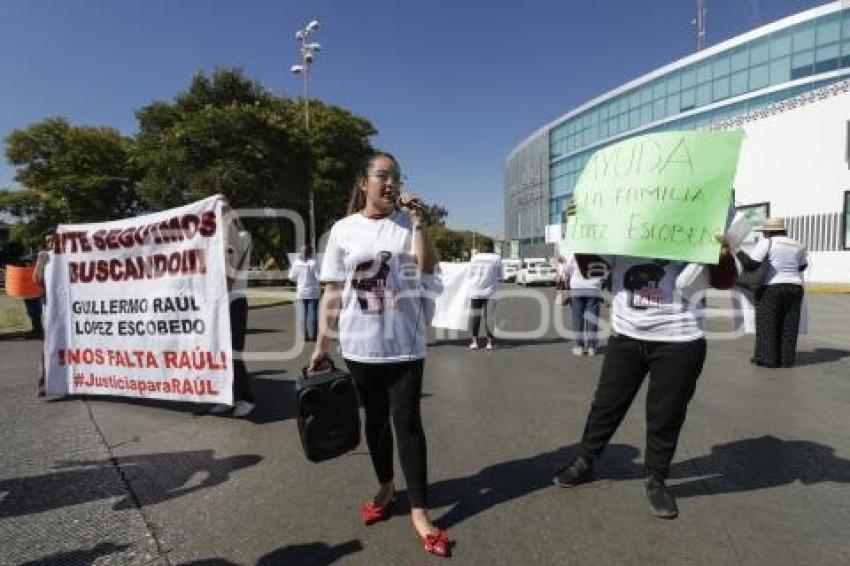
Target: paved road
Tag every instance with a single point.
(761, 472)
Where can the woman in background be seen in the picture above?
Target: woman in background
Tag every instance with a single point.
(585, 295)
(779, 300)
(304, 273)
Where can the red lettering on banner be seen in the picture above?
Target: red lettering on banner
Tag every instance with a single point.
(116, 358)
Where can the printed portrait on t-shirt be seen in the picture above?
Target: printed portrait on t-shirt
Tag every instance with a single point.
(643, 284)
(369, 282)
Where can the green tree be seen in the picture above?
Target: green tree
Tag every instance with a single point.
(69, 174)
(454, 244)
(227, 134)
(434, 214)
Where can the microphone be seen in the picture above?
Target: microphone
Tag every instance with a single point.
(413, 204)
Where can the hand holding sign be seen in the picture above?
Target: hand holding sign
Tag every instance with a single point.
(660, 195)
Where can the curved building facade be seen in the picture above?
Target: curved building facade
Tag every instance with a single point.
(787, 84)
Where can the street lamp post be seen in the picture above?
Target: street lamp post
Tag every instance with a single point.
(307, 50)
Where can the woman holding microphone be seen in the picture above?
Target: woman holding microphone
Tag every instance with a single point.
(376, 262)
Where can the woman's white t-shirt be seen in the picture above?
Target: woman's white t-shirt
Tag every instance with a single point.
(648, 304)
(303, 273)
(578, 282)
(785, 256)
(382, 319)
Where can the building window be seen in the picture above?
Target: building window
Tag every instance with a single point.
(846, 221)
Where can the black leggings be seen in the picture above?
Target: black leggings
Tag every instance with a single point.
(479, 309)
(673, 369)
(395, 388)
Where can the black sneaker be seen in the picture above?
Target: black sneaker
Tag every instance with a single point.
(661, 501)
(579, 472)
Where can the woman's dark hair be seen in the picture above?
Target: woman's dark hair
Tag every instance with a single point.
(306, 252)
(357, 199)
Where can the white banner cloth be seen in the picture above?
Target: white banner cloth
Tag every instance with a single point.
(139, 307)
(452, 304)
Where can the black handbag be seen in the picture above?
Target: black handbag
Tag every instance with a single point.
(753, 279)
(328, 414)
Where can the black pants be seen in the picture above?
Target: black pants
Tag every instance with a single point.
(238, 323)
(34, 310)
(673, 369)
(777, 324)
(395, 389)
(479, 309)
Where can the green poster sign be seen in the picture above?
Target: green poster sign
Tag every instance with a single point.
(660, 195)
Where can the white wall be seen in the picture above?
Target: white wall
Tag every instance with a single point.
(797, 159)
(828, 267)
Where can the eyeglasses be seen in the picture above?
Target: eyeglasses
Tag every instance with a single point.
(386, 176)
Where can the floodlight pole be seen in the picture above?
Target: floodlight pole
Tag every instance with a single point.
(307, 50)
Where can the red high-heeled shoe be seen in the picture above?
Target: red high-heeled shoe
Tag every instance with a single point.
(372, 513)
(437, 543)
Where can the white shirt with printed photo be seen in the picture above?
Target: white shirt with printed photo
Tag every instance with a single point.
(647, 303)
(382, 317)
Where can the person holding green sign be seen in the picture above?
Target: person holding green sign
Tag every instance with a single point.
(665, 253)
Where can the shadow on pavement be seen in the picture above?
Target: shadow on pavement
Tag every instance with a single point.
(506, 481)
(820, 356)
(743, 465)
(314, 553)
(81, 557)
(180, 407)
(307, 554)
(759, 463)
(263, 331)
(154, 478)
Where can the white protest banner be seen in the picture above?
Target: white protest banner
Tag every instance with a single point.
(452, 305)
(139, 307)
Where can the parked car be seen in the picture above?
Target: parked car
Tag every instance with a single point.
(510, 268)
(536, 271)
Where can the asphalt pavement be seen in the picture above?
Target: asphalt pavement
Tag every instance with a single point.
(761, 472)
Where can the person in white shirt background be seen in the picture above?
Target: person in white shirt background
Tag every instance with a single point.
(376, 262)
(484, 271)
(585, 296)
(304, 273)
(779, 300)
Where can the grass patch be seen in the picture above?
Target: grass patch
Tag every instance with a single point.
(13, 315)
(259, 297)
(824, 288)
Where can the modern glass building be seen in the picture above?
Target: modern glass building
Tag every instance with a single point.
(777, 62)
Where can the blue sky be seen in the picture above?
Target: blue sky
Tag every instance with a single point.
(451, 86)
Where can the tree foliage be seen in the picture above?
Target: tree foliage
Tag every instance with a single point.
(434, 214)
(69, 174)
(454, 244)
(226, 134)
